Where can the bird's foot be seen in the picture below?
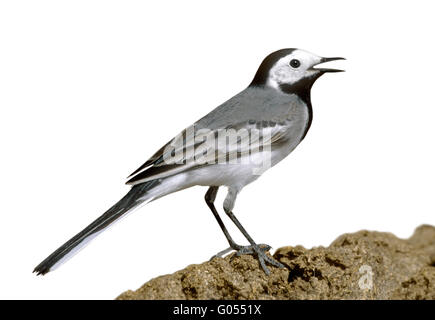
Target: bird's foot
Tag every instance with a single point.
(259, 250)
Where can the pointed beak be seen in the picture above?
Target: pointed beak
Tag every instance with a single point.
(323, 60)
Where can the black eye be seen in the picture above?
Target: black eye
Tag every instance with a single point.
(295, 63)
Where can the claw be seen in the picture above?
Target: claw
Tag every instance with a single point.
(263, 265)
(258, 250)
(222, 253)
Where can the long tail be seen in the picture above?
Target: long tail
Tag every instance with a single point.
(127, 203)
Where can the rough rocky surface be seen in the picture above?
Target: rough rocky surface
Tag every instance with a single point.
(361, 265)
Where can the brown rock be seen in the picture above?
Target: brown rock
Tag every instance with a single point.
(362, 265)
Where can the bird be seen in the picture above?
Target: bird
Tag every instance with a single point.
(230, 147)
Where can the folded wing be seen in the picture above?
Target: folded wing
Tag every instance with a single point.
(193, 148)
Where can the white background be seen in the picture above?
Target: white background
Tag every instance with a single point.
(90, 89)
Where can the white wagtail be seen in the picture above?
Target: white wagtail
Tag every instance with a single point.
(260, 126)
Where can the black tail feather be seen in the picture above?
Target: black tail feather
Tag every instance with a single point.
(128, 202)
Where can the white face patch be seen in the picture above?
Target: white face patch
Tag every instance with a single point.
(283, 73)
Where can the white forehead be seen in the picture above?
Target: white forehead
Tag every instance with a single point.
(281, 72)
(306, 58)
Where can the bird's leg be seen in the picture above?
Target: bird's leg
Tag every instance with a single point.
(210, 197)
(256, 249)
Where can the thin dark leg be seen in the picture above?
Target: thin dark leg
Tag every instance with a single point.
(210, 197)
(258, 250)
(240, 227)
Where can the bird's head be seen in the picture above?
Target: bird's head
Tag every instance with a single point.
(290, 70)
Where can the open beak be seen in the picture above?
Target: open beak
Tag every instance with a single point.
(323, 60)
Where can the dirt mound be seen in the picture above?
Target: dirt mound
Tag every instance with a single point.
(361, 265)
